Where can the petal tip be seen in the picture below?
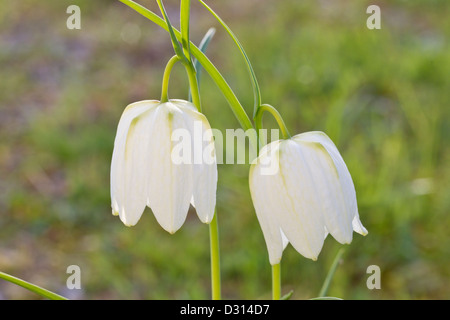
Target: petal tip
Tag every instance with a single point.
(207, 221)
(171, 231)
(127, 223)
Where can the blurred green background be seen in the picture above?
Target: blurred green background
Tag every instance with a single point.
(381, 95)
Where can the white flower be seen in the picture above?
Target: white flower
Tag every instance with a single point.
(144, 171)
(310, 195)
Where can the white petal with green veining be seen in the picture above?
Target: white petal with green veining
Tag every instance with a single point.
(302, 222)
(144, 173)
(345, 179)
(268, 202)
(169, 184)
(312, 194)
(128, 182)
(204, 165)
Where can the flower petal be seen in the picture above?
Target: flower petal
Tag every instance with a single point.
(169, 184)
(358, 227)
(128, 167)
(204, 164)
(347, 193)
(302, 220)
(268, 201)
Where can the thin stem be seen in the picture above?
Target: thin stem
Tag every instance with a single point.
(32, 287)
(326, 284)
(193, 84)
(215, 258)
(166, 78)
(185, 10)
(276, 281)
(274, 112)
(214, 225)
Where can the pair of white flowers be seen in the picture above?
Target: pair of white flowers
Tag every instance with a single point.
(309, 196)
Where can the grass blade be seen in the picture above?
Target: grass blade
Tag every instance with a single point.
(326, 284)
(31, 287)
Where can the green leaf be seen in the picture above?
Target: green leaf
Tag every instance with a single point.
(326, 298)
(175, 43)
(31, 287)
(326, 284)
(256, 89)
(185, 12)
(203, 46)
(287, 296)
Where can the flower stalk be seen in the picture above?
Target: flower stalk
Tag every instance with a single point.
(185, 58)
(215, 258)
(274, 112)
(276, 281)
(166, 77)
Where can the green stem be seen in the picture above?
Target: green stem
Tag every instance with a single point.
(276, 281)
(326, 284)
(274, 112)
(166, 78)
(215, 258)
(32, 287)
(214, 225)
(185, 14)
(193, 84)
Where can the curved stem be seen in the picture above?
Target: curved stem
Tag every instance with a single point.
(32, 287)
(166, 78)
(274, 112)
(276, 281)
(215, 258)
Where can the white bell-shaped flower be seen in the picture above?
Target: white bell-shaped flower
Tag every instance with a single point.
(302, 190)
(163, 158)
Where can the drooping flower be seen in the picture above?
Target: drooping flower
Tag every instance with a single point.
(151, 168)
(302, 191)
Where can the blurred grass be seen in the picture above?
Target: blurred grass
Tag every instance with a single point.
(382, 96)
